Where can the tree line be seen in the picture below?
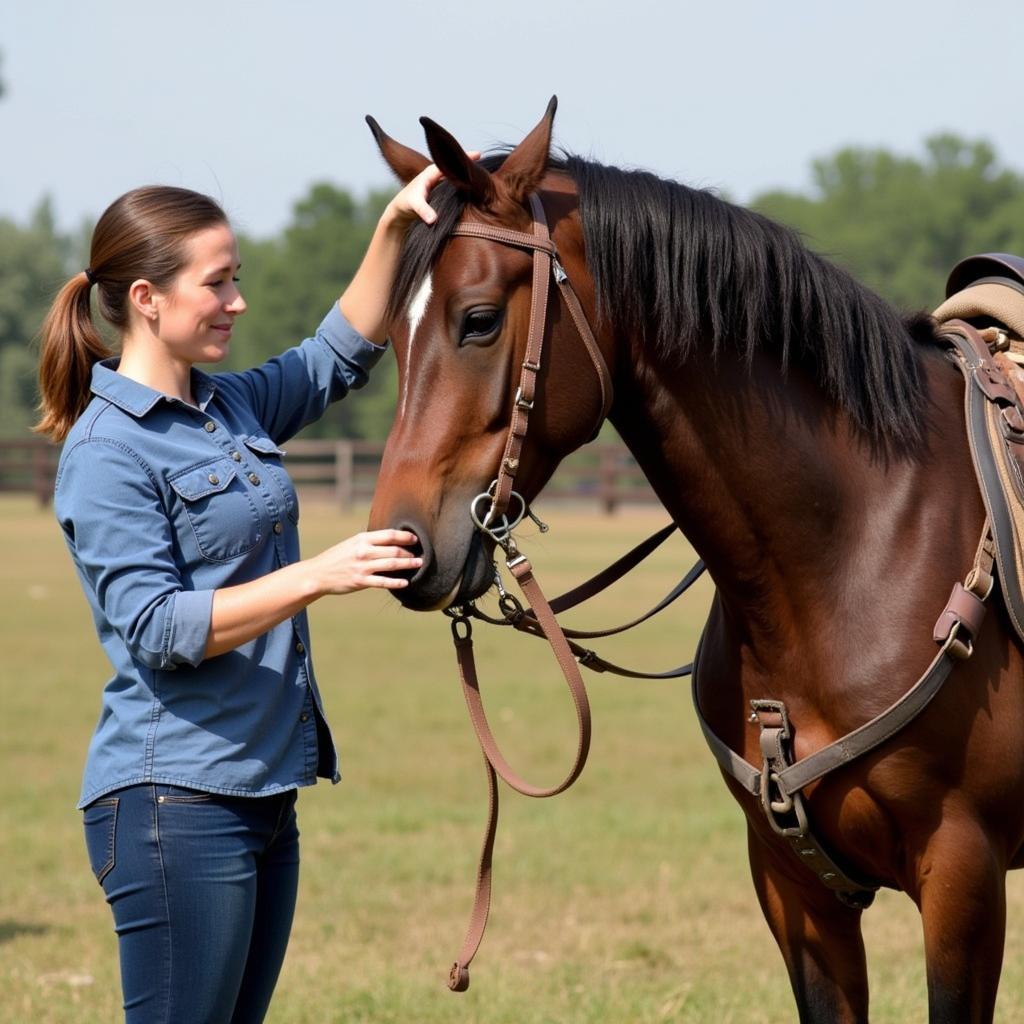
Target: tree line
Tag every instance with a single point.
(898, 223)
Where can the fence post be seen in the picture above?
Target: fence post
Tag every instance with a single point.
(42, 473)
(343, 474)
(608, 475)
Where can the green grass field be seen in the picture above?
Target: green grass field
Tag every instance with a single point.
(625, 900)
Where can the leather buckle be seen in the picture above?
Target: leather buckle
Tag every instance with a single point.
(763, 708)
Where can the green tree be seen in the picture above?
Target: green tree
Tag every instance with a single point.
(900, 223)
(33, 265)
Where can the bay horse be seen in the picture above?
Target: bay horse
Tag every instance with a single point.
(810, 444)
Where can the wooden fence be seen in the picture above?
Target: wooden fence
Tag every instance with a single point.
(344, 472)
(28, 467)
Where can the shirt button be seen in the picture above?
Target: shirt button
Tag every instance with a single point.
(213, 478)
(278, 528)
(236, 456)
(300, 648)
(303, 717)
(209, 426)
(253, 478)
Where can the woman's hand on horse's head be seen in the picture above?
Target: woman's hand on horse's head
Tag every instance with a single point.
(364, 302)
(413, 200)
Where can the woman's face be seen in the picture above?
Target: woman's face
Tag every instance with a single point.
(196, 315)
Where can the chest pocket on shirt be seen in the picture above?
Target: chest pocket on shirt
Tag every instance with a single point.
(219, 508)
(271, 458)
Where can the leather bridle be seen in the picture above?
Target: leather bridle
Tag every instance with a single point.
(545, 266)
(539, 618)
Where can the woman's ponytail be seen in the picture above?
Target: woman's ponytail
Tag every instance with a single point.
(70, 346)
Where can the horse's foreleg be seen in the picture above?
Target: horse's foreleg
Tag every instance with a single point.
(819, 937)
(962, 897)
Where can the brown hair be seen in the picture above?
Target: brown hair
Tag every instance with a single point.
(143, 234)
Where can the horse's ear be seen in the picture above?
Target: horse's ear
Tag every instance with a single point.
(405, 163)
(465, 174)
(523, 168)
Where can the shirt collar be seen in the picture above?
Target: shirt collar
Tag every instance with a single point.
(137, 399)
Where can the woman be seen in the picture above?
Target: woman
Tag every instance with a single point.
(181, 521)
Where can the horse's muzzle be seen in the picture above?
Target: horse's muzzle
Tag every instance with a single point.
(442, 583)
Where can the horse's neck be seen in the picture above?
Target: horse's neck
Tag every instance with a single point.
(800, 520)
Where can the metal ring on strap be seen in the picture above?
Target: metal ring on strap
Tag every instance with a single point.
(501, 530)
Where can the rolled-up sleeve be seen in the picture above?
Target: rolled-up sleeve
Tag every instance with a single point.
(117, 529)
(296, 387)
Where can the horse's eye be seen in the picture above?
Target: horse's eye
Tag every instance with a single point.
(480, 326)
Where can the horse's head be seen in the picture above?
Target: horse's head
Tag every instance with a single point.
(459, 326)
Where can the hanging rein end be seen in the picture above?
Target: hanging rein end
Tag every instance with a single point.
(458, 977)
(462, 628)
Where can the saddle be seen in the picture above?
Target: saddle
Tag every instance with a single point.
(983, 321)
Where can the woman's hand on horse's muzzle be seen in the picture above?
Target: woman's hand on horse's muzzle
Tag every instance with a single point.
(377, 558)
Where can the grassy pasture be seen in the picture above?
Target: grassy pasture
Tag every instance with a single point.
(625, 900)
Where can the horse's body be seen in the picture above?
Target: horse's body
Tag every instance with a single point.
(825, 479)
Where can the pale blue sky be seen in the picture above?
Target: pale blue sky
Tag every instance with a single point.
(252, 101)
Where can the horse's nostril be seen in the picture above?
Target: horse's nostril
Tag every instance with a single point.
(419, 549)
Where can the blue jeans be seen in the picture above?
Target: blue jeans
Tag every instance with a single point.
(203, 892)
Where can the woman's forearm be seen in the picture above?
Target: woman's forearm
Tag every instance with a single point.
(365, 299)
(246, 611)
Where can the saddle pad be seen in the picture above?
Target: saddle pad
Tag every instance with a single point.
(993, 301)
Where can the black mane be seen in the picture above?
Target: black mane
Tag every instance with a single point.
(686, 268)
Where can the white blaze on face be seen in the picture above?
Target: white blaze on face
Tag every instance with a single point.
(417, 309)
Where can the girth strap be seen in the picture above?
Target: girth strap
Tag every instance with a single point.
(787, 815)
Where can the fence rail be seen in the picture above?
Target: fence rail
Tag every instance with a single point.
(344, 472)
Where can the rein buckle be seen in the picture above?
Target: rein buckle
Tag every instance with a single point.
(522, 403)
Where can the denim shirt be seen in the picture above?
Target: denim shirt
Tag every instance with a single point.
(162, 503)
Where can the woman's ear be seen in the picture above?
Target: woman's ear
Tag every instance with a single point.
(142, 297)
